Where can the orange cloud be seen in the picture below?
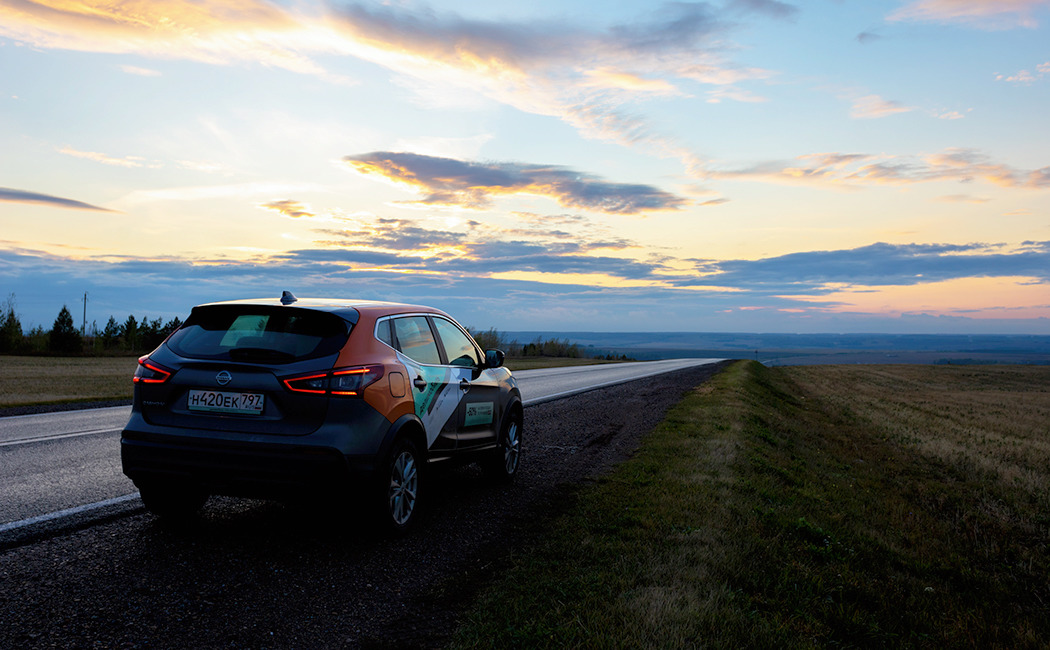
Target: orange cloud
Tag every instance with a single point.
(851, 170)
(288, 208)
(981, 13)
(980, 297)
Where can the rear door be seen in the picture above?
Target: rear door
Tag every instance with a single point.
(434, 390)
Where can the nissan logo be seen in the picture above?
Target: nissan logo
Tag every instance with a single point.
(223, 378)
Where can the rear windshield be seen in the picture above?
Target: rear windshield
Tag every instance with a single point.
(259, 334)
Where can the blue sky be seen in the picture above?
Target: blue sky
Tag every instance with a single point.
(749, 165)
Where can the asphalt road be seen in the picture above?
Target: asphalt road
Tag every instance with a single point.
(257, 574)
(58, 464)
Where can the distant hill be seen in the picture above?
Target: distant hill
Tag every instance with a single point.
(805, 349)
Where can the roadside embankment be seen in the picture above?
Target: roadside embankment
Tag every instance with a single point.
(882, 506)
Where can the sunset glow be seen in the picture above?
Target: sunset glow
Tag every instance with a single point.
(691, 166)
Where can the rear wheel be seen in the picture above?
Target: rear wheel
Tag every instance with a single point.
(399, 486)
(502, 465)
(172, 501)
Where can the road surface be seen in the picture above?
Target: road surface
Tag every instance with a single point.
(58, 464)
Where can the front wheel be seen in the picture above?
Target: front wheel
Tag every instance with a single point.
(502, 465)
(399, 487)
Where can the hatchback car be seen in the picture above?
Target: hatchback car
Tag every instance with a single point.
(279, 397)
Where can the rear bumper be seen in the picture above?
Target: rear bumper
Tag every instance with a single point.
(251, 469)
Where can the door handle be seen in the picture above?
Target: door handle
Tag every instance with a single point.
(420, 383)
(464, 385)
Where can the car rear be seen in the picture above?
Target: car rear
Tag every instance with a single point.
(254, 398)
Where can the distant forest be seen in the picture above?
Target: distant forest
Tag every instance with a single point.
(137, 336)
(133, 336)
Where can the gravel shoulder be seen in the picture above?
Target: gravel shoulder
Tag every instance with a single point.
(271, 575)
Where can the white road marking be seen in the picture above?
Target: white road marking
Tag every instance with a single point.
(14, 525)
(57, 436)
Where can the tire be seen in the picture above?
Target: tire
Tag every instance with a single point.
(172, 501)
(399, 487)
(503, 464)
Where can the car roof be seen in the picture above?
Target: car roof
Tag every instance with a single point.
(348, 308)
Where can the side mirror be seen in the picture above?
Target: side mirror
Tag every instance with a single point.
(494, 358)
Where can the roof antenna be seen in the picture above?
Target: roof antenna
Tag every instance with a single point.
(287, 298)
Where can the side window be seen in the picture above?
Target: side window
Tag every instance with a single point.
(383, 333)
(458, 349)
(415, 340)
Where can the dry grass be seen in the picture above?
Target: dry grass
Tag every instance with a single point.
(992, 420)
(47, 380)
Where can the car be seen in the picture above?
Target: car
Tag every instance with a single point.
(347, 399)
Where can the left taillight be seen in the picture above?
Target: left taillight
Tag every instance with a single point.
(340, 382)
(149, 372)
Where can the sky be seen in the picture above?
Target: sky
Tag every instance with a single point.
(571, 165)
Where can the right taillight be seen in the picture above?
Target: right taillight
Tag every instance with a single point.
(340, 382)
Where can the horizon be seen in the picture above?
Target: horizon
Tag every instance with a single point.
(748, 166)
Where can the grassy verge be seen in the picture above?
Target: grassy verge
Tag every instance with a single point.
(50, 380)
(870, 506)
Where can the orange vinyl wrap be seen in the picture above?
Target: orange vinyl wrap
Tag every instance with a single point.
(363, 345)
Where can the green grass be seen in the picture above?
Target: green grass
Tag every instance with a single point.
(858, 506)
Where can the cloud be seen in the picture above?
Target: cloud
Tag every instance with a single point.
(772, 8)
(869, 36)
(879, 264)
(105, 159)
(963, 198)
(288, 208)
(213, 32)
(1025, 77)
(448, 181)
(582, 74)
(22, 196)
(797, 292)
(986, 14)
(853, 170)
(873, 107)
(729, 92)
(141, 72)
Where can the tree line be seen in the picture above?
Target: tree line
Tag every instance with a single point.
(136, 336)
(494, 339)
(130, 337)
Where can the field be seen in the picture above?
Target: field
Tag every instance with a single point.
(30, 381)
(47, 380)
(858, 506)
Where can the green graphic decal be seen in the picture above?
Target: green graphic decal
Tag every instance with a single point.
(436, 378)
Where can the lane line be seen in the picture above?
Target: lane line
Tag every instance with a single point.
(69, 512)
(56, 436)
(87, 411)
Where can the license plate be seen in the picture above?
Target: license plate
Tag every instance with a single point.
(217, 401)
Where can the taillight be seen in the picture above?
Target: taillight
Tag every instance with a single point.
(149, 372)
(341, 382)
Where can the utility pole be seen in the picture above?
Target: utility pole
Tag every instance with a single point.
(83, 323)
